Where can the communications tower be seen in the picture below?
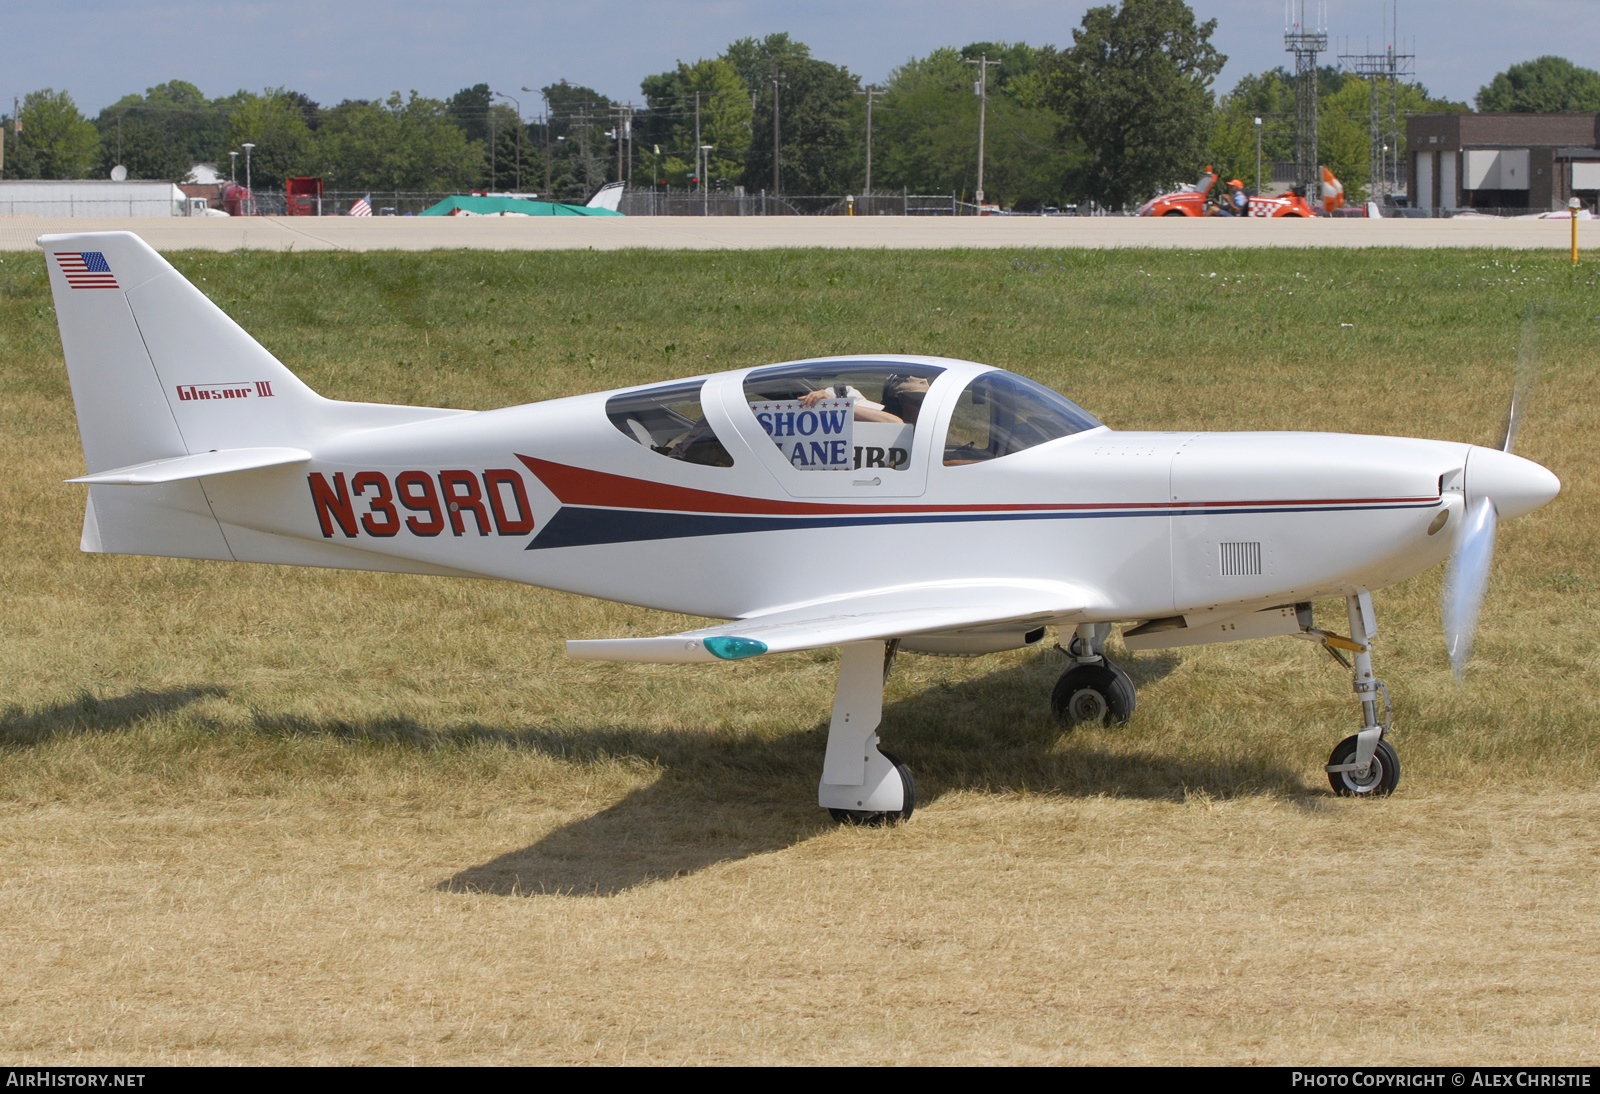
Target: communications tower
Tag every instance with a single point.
(1305, 42)
(1383, 71)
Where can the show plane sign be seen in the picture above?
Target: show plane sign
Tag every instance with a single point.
(818, 437)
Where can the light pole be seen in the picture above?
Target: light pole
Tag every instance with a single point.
(251, 197)
(1258, 155)
(546, 98)
(503, 95)
(705, 168)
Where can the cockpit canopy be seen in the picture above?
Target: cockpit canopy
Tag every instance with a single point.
(853, 415)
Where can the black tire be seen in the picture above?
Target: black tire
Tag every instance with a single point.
(1174, 213)
(1096, 694)
(1382, 777)
(869, 819)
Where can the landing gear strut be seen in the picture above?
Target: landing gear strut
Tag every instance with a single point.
(1365, 764)
(1093, 691)
(860, 784)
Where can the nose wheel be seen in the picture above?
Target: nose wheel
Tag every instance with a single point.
(1098, 694)
(1092, 691)
(1381, 777)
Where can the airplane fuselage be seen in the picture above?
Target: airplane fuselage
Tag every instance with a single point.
(1152, 524)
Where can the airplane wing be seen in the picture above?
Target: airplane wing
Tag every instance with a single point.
(860, 617)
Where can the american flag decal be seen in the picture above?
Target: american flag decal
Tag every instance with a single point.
(86, 269)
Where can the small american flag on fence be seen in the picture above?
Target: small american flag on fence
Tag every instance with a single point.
(86, 269)
(362, 207)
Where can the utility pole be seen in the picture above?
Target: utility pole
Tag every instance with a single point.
(982, 89)
(625, 117)
(699, 176)
(778, 80)
(870, 93)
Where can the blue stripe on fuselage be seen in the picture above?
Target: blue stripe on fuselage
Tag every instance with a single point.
(589, 526)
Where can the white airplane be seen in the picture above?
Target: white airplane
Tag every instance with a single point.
(878, 503)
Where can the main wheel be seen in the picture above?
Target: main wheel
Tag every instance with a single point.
(1382, 777)
(1094, 694)
(1174, 213)
(868, 818)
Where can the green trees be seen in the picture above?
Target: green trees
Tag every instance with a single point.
(1135, 89)
(57, 141)
(162, 133)
(926, 136)
(818, 117)
(506, 142)
(275, 123)
(399, 144)
(580, 154)
(818, 112)
(1548, 85)
(725, 116)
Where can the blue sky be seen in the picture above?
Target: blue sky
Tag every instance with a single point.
(337, 49)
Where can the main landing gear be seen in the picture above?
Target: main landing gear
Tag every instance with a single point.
(1093, 691)
(1364, 765)
(860, 784)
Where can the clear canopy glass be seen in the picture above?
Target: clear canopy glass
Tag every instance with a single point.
(1000, 413)
(668, 420)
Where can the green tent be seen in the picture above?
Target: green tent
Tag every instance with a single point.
(490, 206)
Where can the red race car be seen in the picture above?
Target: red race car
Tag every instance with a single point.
(1192, 201)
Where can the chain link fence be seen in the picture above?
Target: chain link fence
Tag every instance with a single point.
(337, 203)
(735, 203)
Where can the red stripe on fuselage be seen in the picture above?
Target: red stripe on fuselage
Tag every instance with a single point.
(581, 486)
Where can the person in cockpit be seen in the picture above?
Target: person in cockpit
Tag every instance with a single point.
(902, 399)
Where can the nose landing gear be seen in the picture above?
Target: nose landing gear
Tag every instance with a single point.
(1093, 691)
(1365, 765)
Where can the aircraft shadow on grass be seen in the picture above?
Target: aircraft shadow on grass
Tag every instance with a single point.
(723, 797)
(86, 714)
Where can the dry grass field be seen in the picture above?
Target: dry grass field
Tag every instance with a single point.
(254, 815)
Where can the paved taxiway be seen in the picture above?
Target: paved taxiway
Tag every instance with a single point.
(744, 233)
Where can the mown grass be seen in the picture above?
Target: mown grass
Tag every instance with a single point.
(434, 727)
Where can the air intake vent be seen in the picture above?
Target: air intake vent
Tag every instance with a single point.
(1240, 559)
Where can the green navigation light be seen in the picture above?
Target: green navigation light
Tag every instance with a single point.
(731, 649)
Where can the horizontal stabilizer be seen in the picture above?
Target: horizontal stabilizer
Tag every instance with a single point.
(200, 465)
(879, 614)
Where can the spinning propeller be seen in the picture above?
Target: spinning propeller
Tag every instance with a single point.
(1498, 485)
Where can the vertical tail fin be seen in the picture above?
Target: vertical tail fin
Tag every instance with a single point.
(159, 371)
